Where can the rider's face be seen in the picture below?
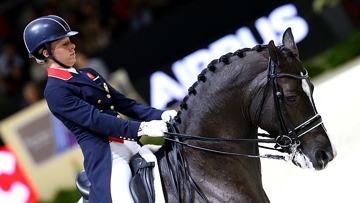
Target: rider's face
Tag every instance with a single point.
(64, 51)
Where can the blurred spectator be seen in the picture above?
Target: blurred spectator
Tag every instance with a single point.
(4, 31)
(353, 10)
(83, 61)
(94, 37)
(12, 71)
(122, 13)
(31, 93)
(141, 18)
(37, 73)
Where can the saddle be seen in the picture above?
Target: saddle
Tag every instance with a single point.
(141, 184)
(83, 185)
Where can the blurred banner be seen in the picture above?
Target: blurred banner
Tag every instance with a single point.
(15, 186)
(44, 137)
(164, 59)
(47, 151)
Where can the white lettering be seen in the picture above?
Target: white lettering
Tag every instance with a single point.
(267, 33)
(187, 69)
(165, 89)
(245, 37)
(286, 16)
(224, 45)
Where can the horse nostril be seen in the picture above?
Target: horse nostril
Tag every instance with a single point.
(323, 157)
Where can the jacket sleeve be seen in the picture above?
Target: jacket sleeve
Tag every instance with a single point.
(74, 112)
(132, 108)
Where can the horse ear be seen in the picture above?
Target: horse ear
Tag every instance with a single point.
(276, 54)
(289, 42)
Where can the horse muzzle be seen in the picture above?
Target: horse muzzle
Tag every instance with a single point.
(315, 157)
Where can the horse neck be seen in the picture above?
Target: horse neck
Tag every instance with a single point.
(223, 105)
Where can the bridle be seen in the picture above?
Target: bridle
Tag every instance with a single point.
(290, 138)
(286, 141)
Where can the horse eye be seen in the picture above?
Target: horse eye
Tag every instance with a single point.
(291, 98)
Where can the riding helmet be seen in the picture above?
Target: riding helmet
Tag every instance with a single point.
(44, 30)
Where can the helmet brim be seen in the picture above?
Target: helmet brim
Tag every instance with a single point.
(68, 34)
(34, 54)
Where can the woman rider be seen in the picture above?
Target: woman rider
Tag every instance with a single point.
(90, 108)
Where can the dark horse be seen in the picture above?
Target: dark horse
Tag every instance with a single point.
(211, 153)
(266, 87)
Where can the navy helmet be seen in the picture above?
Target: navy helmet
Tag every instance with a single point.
(45, 30)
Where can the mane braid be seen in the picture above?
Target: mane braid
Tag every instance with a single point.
(212, 66)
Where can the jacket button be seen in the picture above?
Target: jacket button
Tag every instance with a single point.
(99, 101)
(108, 96)
(112, 107)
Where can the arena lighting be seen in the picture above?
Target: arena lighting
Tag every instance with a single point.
(165, 89)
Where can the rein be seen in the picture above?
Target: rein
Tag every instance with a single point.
(173, 137)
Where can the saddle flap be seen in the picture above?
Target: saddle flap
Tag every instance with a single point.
(138, 190)
(142, 183)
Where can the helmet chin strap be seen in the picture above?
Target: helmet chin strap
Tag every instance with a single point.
(51, 56)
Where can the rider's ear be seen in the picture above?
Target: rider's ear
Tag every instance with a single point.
(45, 53)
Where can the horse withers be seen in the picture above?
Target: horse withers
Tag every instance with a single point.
(211, 153)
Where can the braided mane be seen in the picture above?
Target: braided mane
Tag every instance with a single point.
(224, 60)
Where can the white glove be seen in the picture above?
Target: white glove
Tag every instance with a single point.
(168, 114)
(155, 128)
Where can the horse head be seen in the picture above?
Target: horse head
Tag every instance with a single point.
(294, 120)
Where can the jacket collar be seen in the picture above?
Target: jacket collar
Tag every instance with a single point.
(61, 73)
(67, 74)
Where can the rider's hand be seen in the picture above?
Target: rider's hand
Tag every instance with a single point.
(168, 114)
(155, 128)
